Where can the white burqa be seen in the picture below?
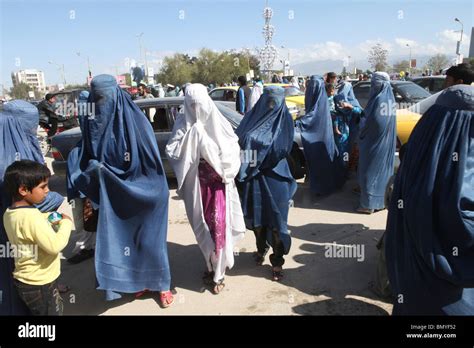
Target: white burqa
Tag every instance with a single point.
(257, 91)
(202, 132)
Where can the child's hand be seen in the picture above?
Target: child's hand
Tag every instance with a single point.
(66, 217)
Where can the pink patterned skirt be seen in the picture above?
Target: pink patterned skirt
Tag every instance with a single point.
(213, 202)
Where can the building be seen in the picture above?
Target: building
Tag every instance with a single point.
(32, 77)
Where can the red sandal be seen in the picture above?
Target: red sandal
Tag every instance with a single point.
(166, 299)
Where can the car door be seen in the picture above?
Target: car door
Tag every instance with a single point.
(362, 92)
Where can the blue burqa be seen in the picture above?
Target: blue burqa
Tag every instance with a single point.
(325, 166)
(430, 239)
(117, 166)
(377, 142)
(349, 116)
(266, 183)
(18, 126)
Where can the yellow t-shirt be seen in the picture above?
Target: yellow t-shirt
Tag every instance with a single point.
(35, 245)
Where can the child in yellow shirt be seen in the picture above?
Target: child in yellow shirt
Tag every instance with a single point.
(36, 244)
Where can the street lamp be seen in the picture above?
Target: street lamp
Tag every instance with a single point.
(409, 62)
(141, 54)
(288, 58)
(460, 40)
(61, 67)
(88, 64)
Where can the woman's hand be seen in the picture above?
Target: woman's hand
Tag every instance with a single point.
(88, 210)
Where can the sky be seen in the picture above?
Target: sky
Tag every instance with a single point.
(34, 33)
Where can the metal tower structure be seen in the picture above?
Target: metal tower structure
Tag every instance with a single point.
(269, 52)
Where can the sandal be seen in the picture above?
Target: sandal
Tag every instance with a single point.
(166, 299)
(217, 287)
(277, 274)
(259, 259)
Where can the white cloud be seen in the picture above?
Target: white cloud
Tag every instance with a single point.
(404, 42)
(450, 35)
(318, 51)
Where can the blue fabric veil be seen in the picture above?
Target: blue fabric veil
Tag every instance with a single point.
(325, 166)
(117, 166)
(377, 143)
(430, 228)
(266, 183)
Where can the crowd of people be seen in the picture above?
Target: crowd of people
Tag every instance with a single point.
(116, 176)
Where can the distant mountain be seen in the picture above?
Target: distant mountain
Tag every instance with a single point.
(320, 67)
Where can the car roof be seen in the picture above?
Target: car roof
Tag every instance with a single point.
(155, 101)
(226, 87)
(437, 77)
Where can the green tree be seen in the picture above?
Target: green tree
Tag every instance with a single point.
(438, 62)
(403, 65)
(20, 91)
(378, 57)
(177, 70)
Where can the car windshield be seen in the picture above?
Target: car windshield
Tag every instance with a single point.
(292, 92)
(424, 105)
(412, 91)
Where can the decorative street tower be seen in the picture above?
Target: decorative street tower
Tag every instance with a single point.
(269, 52)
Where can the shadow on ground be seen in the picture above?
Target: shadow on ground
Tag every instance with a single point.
(337, 280)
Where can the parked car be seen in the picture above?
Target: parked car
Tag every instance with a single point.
(162, 113)
(406, 93)
(294, 98)
(432, 84)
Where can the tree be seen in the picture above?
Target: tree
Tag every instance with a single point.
(208, 67)
(403, 65)
(177, 70)
(378, 57)
(438, 62)
(20, 91)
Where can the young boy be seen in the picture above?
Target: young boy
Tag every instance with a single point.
(37, 245)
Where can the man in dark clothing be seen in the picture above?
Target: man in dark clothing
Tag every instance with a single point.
(48, 107)
(461, 74)
(243, 95)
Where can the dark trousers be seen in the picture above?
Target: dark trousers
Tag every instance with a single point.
(276, 259)
(41, 299)
(53, 127)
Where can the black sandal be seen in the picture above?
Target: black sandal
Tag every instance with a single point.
(259, 259)
(277, 275)
(217, 287)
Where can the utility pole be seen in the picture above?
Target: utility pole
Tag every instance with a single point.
(458, 46)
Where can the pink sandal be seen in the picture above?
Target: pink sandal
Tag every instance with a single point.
(166, 299)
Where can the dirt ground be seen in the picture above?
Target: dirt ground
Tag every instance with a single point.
(313, 283)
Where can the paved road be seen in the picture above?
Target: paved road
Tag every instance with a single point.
(314, 284)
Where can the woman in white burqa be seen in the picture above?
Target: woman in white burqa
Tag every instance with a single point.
(205, 155)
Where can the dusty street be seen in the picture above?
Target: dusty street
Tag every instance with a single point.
(313, 284)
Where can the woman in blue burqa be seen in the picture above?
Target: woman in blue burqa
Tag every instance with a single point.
(348, 112)
(430, 228)
(265, 182)
(117, 166)
(377, 140)
(324, 165)
(18, 127)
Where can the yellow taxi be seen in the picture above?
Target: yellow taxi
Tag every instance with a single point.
(229, 94)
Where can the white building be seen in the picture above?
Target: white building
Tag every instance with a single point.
(32, 77)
